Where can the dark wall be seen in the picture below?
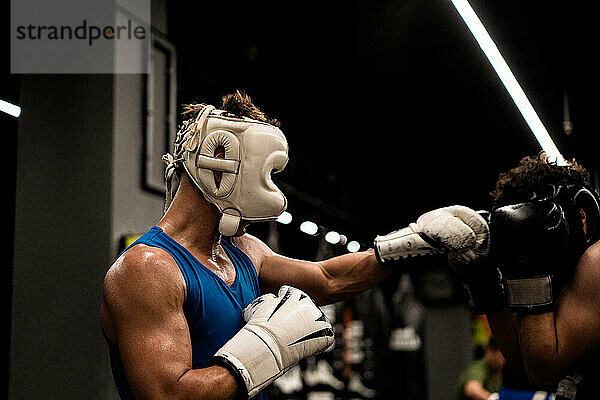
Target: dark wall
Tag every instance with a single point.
(390, 107)
(62, 237)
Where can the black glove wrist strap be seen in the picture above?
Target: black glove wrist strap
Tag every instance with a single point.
(242, 389)
(529, 295)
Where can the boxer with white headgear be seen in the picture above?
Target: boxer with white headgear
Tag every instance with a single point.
(184, 312)
(253, 150)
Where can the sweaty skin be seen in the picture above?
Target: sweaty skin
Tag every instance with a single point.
(545, 347)
(142, 312)
(144, 293)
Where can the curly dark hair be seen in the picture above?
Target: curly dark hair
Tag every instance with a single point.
(533, 174)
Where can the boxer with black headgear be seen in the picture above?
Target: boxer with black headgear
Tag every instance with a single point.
(537, 243)
(539, 284)
(182, 309)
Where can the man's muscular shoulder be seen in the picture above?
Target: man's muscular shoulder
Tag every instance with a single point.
(140, 280)
(254, 248)
(588, 269)
(593, 252)
(589, 262)
(142, 264)
(581, 295)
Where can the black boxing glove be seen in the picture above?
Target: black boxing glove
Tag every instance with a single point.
(530, 247)
(483, 284)
(480, 278)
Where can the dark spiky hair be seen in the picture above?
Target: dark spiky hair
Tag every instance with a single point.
(237, 104)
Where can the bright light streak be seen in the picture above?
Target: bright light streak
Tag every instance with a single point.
(353, 246)
(11, 109)
(309, 227)
(508, 79)
(285, 218)
(332, 237)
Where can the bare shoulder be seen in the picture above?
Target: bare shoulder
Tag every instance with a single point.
(142, 264)
(587, 275)
(593, 252)
(589, 262)
(254, 248)
(143, 277)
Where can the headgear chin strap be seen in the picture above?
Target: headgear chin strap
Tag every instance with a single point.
(253, 150)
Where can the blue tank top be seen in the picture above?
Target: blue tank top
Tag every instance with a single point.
(213, 309)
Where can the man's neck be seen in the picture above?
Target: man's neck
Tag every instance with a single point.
(191, 220)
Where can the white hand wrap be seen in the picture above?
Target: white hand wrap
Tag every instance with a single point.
(403, 243)
(280, 331)
(457, 230)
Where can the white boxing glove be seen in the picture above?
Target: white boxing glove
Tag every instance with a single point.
(279, 332)
(456, 230)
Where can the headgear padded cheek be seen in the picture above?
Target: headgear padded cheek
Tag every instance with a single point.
(229, 166)
(253, 149)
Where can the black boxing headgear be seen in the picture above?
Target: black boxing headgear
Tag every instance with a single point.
(572, 199)
(584, 199)
(536, 244)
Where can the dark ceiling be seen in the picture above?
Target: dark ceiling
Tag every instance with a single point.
(390, 107)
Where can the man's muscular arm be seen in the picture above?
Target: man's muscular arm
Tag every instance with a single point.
(456, 230)
(504, 325)
(552, 343)
(142, 312)
(330, 280)
(546, 346)
(326, 281)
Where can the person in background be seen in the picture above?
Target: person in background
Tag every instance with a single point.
(482, 379)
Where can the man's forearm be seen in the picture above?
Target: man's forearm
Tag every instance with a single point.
(539, 348)
(350, 274)
(504, 326)
(528, 343)
(215, 382)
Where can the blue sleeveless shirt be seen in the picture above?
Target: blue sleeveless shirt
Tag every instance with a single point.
(213, 309)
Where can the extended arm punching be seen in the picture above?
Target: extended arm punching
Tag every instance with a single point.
(326, 281)
(456, 230)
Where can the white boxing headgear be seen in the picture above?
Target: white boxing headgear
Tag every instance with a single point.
(253, 150)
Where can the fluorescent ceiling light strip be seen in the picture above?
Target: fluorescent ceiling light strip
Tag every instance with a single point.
(508, 79)
(11, 109)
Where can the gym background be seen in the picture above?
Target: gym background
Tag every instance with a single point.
(390, 108)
